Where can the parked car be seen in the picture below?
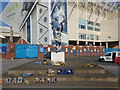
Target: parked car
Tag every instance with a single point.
(110, 56)
(48, 55)
(117, 60)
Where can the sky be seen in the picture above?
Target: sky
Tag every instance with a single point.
(3, 4)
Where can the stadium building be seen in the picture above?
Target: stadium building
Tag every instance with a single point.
(93, 23)
(81, 22)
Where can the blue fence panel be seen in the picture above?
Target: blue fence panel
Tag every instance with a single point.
(82, 52)
(74, 52)
(68, 52)
(45, 51)
(98, 52)
(26, 51)
(32, 51)
(41, 49)
(106, 50)
(3, 48)
(88, 51)
(79, 52)
(92, 51)
(20, 51)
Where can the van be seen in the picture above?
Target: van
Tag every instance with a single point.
(110, 56)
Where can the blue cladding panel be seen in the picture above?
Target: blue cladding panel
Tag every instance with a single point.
(82, 22)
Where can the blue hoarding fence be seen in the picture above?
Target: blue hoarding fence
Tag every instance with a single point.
(88, 51)
(74, 52)
(45, 51)
(82, 52)
(3, 48)
(98, 52)
(41, 49)
(26, 51)
(68, 52)
(106, 50)
(79, 52)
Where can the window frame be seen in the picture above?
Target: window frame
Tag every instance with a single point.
(108, 54)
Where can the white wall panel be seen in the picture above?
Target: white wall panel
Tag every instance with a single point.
(34, 26)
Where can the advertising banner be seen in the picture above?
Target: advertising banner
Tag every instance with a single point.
(59, 19)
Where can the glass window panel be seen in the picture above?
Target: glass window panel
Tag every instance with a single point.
(97, 29)
(97, 24)
(83, 27)
(92, 37)
(90, 28)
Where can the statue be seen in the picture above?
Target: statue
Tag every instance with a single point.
(57, 30)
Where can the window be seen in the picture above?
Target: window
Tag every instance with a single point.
(90, 28)
(96, 37)
(41, 30)
(88, 37)
(90, 22)
(108, 54)
(45, 19)
(28, 30)
(97, 29)
(97, 24)
(45, 39)
(82, 26)
(92, 37)
(40, 10)
(118, 54)
(82, 36)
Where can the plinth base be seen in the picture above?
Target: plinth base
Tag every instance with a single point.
(60, 56)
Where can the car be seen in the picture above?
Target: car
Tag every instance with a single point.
(48, 55)
(110, 56)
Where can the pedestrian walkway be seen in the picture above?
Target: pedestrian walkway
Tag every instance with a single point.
(83, 72)
(8, 64)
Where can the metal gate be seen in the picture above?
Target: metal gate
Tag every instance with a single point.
(26, 51)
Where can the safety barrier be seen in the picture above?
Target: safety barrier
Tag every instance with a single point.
(30, 51)
(38, 51)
